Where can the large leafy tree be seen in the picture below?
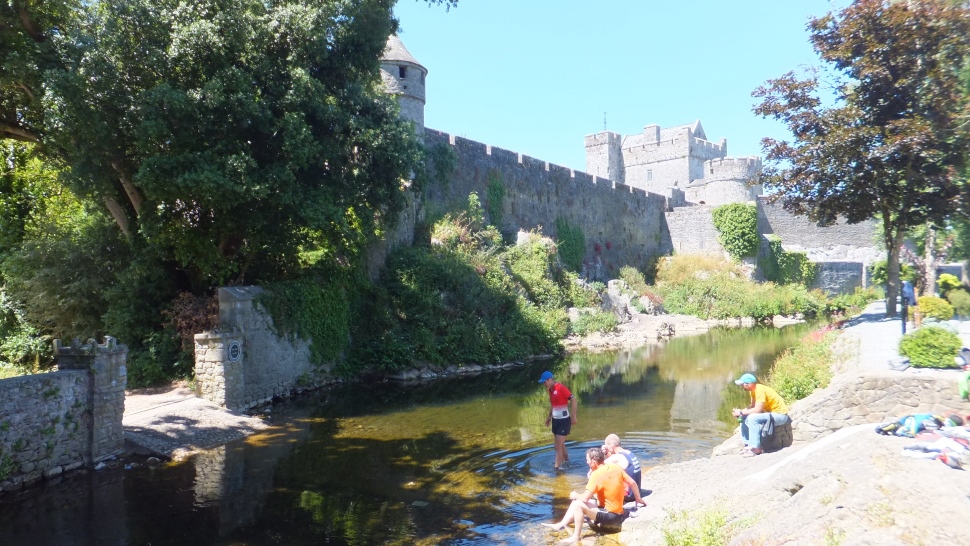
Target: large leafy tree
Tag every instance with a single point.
(893, 143)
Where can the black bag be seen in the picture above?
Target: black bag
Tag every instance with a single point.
(781, 436)
(768, 431)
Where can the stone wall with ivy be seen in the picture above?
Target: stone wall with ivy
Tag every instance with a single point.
(60, 421)
(620, 225)
(266, 362)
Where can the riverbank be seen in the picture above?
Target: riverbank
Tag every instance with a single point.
(849, 487)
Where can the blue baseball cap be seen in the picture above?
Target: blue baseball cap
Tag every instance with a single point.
(746, 378)
(545, 375)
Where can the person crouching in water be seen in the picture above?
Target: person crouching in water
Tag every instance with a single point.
(608, 482)
(765, 404)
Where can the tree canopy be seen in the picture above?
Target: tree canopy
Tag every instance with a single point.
(202, 142)
(895, 141)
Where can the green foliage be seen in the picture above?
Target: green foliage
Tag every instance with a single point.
(7, 465)
(852, 303)
(805, 367)
(495, 195)
(712, 289)
(581, 294)
(571, 243)
(783, 267)
(710, 528)
(599, 321)
(947, 282)
(22, 347)
(930, 347)
(934, 307)
(464, 299)
(960, 300)
(879, 275)
(317, 310)
(634, 279)
(438, 163)
(737, 226)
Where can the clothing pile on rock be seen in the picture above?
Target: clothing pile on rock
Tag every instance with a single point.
(945, 439)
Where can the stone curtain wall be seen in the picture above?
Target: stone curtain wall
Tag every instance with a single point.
(268, 366)
(622, 225)
(875, 398)
(840, 277)
(839, 242)
(692, 230)
(60, 421)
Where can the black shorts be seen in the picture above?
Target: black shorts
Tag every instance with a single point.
(609, 520)
(561, 427)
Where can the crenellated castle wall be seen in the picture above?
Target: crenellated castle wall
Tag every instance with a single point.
(622, 225)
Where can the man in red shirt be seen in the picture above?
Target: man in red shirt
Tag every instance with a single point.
(608, 482)
(560, 417)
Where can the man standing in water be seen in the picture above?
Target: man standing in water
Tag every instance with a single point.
(606, 481)
(560, 417)
(624, 459)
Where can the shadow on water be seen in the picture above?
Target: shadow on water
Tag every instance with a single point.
(460, 461)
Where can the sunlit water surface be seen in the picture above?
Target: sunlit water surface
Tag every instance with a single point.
(463, 461)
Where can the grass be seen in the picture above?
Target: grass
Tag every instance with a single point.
(805, 367)
(709, 528)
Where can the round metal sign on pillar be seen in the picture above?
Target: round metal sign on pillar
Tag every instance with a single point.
(235, 351)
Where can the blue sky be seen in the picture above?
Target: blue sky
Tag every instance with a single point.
(536, 76)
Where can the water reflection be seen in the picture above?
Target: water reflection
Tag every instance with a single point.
(461, 461)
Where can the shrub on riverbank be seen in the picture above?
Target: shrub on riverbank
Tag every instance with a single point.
(465, 298)
(712, 288)
(600, 321)
(805, 367)
(934, 307)
(930, 347)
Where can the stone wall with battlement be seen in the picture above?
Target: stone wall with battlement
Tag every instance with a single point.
(60, 421)
(622, 225)
(838, 242)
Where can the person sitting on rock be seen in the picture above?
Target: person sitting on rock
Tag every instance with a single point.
(625, 459)
(765, 404)
(608, 482)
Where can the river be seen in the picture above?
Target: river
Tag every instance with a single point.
(460, 461)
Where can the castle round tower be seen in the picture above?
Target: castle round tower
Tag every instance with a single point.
(403, 76)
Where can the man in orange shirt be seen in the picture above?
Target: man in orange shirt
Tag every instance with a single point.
(608, 482)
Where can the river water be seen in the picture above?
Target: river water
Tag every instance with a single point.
(462, 461)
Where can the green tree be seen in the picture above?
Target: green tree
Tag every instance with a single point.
(891, 145)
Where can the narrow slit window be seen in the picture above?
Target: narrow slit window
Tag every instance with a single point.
(649, 175)
(402, 71)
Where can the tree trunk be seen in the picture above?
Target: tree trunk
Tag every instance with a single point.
(929, 261)
(894, 237)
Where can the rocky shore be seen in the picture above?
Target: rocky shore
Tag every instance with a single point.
(840, 483)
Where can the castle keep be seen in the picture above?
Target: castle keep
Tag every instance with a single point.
(642, 196)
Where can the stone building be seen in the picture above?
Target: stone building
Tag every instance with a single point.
(677, 162)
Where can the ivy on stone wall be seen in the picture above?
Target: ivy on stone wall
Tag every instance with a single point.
(571, 243)
(495, 196)
(784, 267)
(438, 163)
(737, 227)
(313, 310)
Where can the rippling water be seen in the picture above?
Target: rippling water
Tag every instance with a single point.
(463, 461)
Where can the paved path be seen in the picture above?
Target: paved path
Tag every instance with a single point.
(176, 422)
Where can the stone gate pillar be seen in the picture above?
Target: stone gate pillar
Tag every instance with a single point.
(219, 368)
(108, 365)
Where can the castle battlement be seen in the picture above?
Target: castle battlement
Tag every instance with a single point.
(732, 168)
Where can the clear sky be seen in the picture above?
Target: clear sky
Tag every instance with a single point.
(536, 76)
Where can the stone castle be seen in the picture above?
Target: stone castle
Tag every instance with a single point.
(641, 196)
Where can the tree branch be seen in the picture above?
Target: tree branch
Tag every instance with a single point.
(30, 26)
(134, 196)
(16, 132)
(118, 214)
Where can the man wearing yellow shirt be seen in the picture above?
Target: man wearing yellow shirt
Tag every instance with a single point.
(765, 404)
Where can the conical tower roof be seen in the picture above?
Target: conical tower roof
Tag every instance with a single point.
(396, 52)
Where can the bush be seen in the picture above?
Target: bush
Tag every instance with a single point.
(947, 282)
(634, 279)
(737, 227)
(784, 267)
(682, 267)
(930, 347)
(879, 274)
(805, 367)
(934, 307)
(600, 321)
(960, 300)
(571, 243)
